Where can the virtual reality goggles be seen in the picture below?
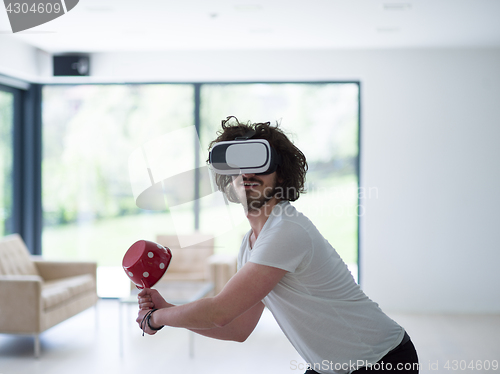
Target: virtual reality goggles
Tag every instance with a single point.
(247, 156)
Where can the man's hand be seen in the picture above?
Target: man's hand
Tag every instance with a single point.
(150, 298)
(143, 324)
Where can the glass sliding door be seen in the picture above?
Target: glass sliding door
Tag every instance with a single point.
(6, 160)
(322, 120)
(89, 134)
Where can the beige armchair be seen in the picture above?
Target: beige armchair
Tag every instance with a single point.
(197, 261)
(36, 295)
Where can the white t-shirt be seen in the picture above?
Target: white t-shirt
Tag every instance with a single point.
(321, 309)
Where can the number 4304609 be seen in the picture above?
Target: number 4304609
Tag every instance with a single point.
(471, 365)
(34, 8)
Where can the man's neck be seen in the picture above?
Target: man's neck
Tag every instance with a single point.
(257, 218)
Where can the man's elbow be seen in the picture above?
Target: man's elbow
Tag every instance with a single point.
(241, 337)
(222, 319)
(237, 335)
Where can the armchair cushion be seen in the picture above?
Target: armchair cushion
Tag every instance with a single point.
(15, 258)
(59, 291)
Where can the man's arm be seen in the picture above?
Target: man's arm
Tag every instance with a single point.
(239, 329)
(242, 293)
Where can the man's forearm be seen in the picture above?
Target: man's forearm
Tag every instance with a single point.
(201, 314)
(237, 330)
(221, 333)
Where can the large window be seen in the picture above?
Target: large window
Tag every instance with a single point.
(6, 160)
(90, 133)
(322, 120)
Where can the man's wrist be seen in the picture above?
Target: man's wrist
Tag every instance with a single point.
(151, 323)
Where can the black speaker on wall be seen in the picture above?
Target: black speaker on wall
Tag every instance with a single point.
(71, 65)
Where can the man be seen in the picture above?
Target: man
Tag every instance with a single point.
(285, 264)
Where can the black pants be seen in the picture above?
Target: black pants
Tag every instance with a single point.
(402, 359)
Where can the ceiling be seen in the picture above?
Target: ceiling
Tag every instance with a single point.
(154, 25)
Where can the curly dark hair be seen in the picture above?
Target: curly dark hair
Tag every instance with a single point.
(291, 173)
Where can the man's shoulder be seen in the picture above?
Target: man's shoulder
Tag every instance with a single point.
(287, 224)
(286, 214)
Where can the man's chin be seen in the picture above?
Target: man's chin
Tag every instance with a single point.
(254, 205)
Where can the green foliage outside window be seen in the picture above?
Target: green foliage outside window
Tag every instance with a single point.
(6, 159)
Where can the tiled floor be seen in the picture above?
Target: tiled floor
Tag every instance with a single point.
(86, 344)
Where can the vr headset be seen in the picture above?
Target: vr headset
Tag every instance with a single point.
(244, 156)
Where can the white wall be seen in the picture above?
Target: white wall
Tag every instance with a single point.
(430, 144)
(18, 60)
(430, 131)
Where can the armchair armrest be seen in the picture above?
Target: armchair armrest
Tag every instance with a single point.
(50, 270)
(20, 308)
